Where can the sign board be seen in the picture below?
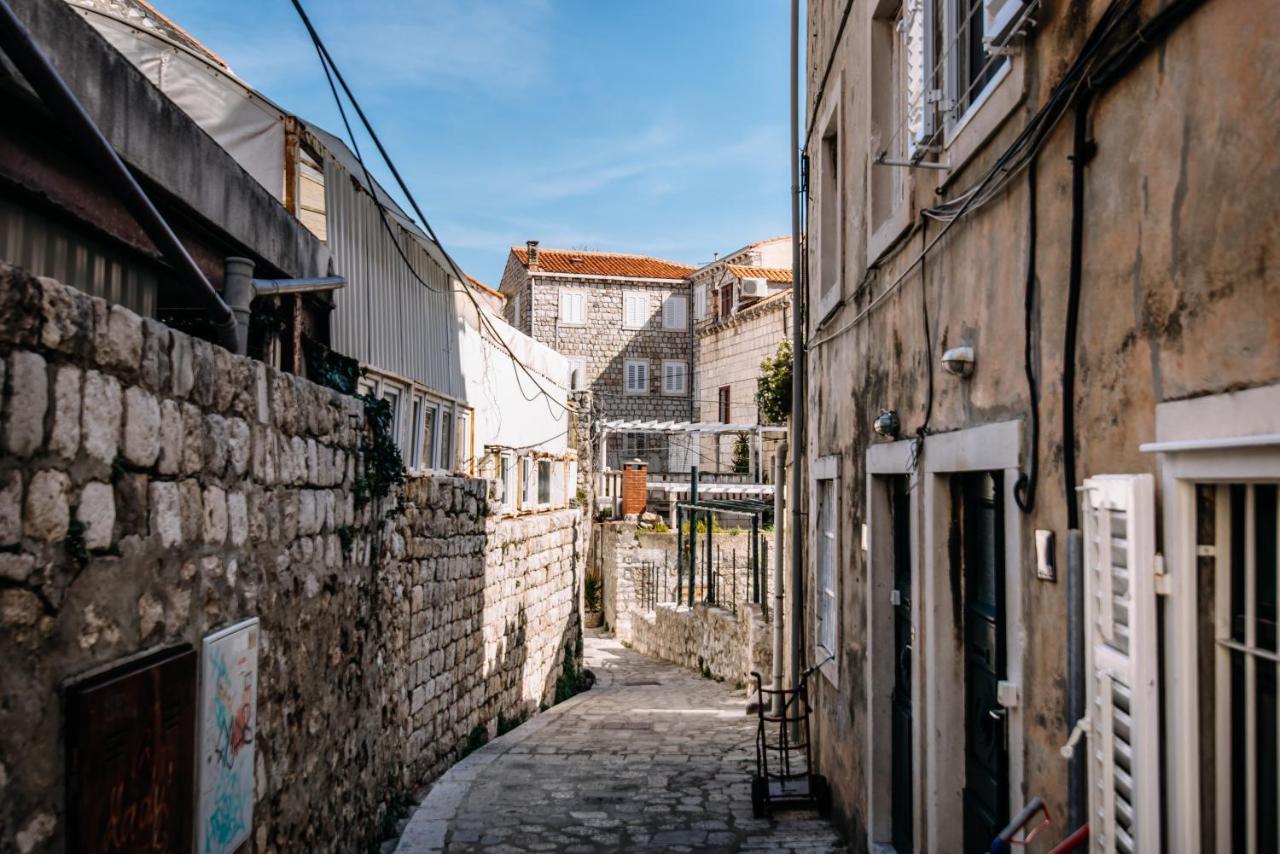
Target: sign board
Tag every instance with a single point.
(228, 726)
(130, 763)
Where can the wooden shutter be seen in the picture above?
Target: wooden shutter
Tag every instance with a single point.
(1123, 690)
(673, 313)
(634, 310)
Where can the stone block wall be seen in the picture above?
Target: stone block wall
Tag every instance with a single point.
(704, 638)
(711, 640)
(155, 488)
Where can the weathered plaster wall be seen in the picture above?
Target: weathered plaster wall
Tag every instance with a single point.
(1179, 295)
(203, 489)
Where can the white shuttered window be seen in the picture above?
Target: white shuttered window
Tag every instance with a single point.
(1123, 690)
(635, 310)
(675, 312)
(637, 379)
(826, 565)
(674, 377)
(573, 307)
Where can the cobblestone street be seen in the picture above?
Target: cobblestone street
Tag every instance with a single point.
(654, 757)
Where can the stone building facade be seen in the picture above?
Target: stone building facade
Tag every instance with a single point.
(1048, 536)
(624, 323)
(155, 488)
(742, 312)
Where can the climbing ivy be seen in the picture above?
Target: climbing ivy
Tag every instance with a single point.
(330, 369)
(383, 465)
(773, 390)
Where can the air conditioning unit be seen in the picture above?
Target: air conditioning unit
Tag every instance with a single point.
(754, 288)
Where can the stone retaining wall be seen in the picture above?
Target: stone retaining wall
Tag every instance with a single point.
(155, 488)
(711, 640)
(708, 639)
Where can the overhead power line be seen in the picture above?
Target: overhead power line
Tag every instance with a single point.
(331, 72)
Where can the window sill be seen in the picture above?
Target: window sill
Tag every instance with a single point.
(966, 136)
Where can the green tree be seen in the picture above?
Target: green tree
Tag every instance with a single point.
(773, 391)
(742, 454)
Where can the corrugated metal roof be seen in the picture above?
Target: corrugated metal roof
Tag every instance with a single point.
(582, 262)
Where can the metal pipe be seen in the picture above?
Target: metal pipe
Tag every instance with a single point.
(798, 359)
(237, 286)
(779, 541)
(1075, 674)
(317, 284)
(31, 61)
(693, 531)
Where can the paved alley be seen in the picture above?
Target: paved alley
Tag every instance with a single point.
(654, 757)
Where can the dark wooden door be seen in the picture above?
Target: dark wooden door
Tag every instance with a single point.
(903, 777)
(986, 789)
(131, 756)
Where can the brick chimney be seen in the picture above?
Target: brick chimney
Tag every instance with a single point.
(532, 247)
(635, 487)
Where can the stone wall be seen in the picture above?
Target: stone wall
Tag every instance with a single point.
(705, 638)
(711, 640)
(730, 351)
(155, 488)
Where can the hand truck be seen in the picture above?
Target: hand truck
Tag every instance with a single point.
(784, 761)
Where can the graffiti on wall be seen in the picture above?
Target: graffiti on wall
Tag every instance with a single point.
(228, 722)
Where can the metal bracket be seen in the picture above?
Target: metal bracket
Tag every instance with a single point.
(1082, 727)
(1163, 586)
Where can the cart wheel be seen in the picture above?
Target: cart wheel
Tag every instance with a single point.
(821, 791)
(759, 796)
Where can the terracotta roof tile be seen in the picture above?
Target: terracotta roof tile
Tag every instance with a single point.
(772, 274)
(482, 286)
(586, 263)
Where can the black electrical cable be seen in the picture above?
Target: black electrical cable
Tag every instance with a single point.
(1081, 152)
(1024, 490)
(331, 70)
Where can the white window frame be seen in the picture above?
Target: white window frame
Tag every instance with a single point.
(1220, 438)
(683, 373)
(528, 482)
(573, 308)
(675, 312)
(640, 298)
(626, 376)
(826, 470)
(546, 474)
(394, 394)
(828, 215)
(417, 411)
(963, 135)
(887, 67)
(507, 476)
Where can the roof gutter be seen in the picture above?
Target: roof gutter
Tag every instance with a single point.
(31, 61)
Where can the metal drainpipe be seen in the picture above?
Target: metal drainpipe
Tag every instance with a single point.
(797, 368)
(779, 550)
(57, 96)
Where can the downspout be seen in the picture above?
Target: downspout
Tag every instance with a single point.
(240, 287)
(796, 440)
(31, 61)
(1081, 152)
(779, 552)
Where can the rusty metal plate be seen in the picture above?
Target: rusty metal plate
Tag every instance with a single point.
(131, 756)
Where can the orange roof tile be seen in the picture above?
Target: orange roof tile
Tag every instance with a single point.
(772, 274)
(482, 286)
(582, 262)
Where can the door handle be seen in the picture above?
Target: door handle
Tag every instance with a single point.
(1001, 716)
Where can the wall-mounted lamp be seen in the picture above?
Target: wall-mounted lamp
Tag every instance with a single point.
(958, 361)
(887, 424)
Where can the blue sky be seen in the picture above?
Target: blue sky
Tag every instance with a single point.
(652, 126)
